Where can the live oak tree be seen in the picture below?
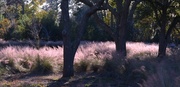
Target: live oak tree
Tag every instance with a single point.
(71, 45)
(144, 24)
(120, 10)
(167, 17)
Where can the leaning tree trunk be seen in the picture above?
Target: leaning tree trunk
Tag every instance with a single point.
(71, 46)
(164, 38)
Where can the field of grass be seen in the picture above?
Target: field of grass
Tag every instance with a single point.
(96, 65)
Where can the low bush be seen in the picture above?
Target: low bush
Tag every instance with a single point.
(41, 66)
(167, 74)
(82, 66)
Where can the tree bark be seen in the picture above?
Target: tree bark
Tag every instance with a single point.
(118, 33)
(164, 37)
(162, 43)
(71, 46)
(162, 34)
(122, 29)
(161, 15)
(68, 70)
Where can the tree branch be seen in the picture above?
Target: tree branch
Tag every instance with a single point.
(173, 24)
(133, 9)
(104, 25)
(87, 2)
(119, 5)
(83, 23)
(154, 6)
(112, 10)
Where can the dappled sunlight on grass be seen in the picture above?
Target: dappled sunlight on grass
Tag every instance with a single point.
(143, 50)
(140, 68)
(98, 51)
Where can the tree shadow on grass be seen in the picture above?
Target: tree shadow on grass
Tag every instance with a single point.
(22, 76)
(108, 77)
(86, 80)
(79, 80)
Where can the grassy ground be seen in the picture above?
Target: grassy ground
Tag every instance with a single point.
(96, 65)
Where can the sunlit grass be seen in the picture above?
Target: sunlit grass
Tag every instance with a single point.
(140, 68)
(25, 56)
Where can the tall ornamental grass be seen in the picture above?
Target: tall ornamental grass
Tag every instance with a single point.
(25, 56)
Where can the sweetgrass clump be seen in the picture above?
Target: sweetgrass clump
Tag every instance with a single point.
(41, 66)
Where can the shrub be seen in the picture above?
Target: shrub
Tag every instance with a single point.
(113, 67)
(96, 65)
(10, 66)
(41, 66)
(25, 64)
(2, 71)
(82, 65)
(167, 74)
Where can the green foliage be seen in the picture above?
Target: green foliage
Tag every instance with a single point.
(17, 26)
(50, 30)
(9, 66)
(112, 3)
(95, 33)
(4, 26)
(1, 17)
(144, 23)
(2, 71)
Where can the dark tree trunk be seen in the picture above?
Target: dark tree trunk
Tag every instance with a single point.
(22, 5)
(164, 37)
(120, 47)
(122, 29)
(71, 46)
(162, 34)
(162, 19)
(68, 69)
(118, 33)
(68, 50)
(162, 45)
